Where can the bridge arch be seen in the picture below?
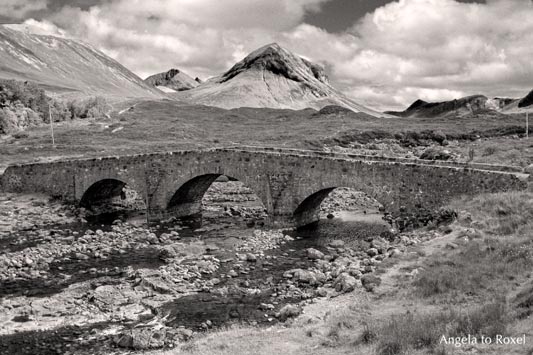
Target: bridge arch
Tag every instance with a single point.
(187, 198)
(308, 210)
(111, 194)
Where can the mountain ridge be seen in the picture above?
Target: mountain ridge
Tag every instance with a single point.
(173, 79)
(273, 77)
(65, 66)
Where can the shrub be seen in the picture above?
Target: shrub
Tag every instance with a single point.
(489, 151)
(26, 93)
(95, 107)
(13, 119)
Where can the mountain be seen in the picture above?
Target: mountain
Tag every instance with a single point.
(526, 101)
(463, 107)
(66, 66)
(174, 79)
(272, 77)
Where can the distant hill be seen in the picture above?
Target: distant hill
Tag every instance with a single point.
(65, 66)
(272, 77)
(526, 101)
(463, 107)
(174, 79)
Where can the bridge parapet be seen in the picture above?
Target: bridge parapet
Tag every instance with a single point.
(284, 179)
(444, 163)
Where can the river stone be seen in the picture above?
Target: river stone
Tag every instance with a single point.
(141, 338)
(336, 243)
(393, 252)
(372, 252)
(222, 178)
(304, 276)
(155, 284)
(370, 282)
(288, 311)
(345, 283)
(321, 292)
(251, 257)
(110, 295)
(314, 254)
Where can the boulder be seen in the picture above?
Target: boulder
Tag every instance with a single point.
(370, 282)
(336, 243)
(222, 178)
(109, 295)
(314, 254)
(345, 283)
(304, 276)
(436, 154)
(251, 257)
(143, 338)
(288, 311)
(372, 252)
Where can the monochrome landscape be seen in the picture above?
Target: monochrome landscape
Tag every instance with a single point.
(309, 177)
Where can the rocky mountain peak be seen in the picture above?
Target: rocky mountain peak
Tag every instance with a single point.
(173, 79)
(279, 61)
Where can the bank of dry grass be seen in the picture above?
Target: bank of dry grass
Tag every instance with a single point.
(402, 333)
(478, 279)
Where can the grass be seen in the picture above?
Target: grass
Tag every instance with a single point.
(484, 266)
(478, 277)
(499, 150)
(480, 268)
(500, 213)
(402, 333)
(167, 125)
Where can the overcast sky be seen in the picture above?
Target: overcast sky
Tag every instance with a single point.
(383, 53)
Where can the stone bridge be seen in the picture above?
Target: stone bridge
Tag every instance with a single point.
(290, 183)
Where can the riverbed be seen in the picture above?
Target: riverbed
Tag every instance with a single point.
(71, 286)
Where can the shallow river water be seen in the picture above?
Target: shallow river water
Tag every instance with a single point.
(236, 299)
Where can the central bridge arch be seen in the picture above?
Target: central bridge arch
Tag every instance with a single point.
(309, 209)
(110, 195)
(101, 191)
(187, 199)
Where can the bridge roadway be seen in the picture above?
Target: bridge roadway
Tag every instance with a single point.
(291, 183)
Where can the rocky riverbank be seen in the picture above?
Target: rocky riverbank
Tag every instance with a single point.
(74, 288)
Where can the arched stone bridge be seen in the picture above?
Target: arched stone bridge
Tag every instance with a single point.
(290, 183)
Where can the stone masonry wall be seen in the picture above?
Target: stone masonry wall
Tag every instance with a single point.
(282, 180)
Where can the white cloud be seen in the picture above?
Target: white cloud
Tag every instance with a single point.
(443, 46)
(203, 37)
(405, 50)
(18, 9)
(39, 27)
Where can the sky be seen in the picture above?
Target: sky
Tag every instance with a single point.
(382, 53)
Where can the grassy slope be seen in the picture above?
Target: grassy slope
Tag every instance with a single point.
(168, 125)
(481, 267)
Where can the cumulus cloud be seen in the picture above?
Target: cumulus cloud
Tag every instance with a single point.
(203, 37)
(40, 28)
(405, 50)
(442, 48)
(18, 9)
